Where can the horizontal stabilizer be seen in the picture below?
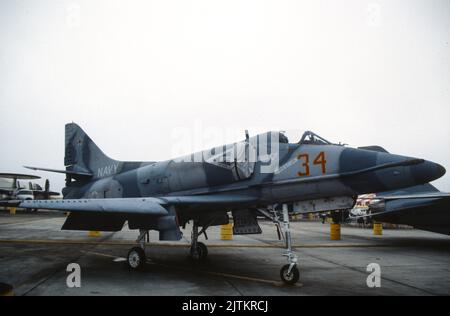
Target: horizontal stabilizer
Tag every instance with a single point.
(68, 172)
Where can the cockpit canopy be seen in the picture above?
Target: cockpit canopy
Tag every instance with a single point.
(240, 158)
(311, 138)
(308, 137)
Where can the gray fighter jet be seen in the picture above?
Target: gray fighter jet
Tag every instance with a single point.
(265, 174)
(422, 206)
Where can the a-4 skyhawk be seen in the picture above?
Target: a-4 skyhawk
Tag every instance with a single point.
(261, 175)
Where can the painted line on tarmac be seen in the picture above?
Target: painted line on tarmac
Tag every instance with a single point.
(218, 274)
(128, 243)
(226, 275)
(100, 254)
(246, 278)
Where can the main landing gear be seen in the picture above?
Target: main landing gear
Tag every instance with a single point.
(289, 273)
(198, 251)
(136, 258)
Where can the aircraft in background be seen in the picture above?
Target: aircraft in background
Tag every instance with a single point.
(423, 207)
(11, 188)
(40, 193)
(261, 175)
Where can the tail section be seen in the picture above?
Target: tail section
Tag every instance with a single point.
(82, 155)
(85, 162)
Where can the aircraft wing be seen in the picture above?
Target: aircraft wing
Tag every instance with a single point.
(382, 205)
(149, 206)
(146, 205)
(431, 195)
(427, 211)
(420, 197)
(213, 199)
(18, 176)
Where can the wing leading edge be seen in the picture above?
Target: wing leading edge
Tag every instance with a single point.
(157, 206)
(141, 213)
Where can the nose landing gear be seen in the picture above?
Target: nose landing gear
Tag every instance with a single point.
(289, 273)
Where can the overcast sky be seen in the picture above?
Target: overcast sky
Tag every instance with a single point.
(136, 75)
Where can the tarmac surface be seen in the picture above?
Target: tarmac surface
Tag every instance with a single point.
(34, 254)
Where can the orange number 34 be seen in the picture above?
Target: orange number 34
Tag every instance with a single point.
(319, 160)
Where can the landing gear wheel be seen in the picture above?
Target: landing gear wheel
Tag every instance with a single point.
(136, 258)
(201, 253)
(289, 278)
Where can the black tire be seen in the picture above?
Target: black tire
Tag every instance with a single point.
(202, 252)
(136, 258)
(290, 278)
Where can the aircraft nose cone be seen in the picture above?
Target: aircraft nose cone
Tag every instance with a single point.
(441, 170)
(427, 171)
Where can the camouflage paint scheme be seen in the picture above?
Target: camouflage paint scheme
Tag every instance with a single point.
(178, 190)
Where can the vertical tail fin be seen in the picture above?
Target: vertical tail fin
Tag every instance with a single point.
(83, 155)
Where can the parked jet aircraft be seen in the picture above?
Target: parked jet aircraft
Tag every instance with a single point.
(12, 189)
(264, 174)
(42, 194)
(423, 207)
